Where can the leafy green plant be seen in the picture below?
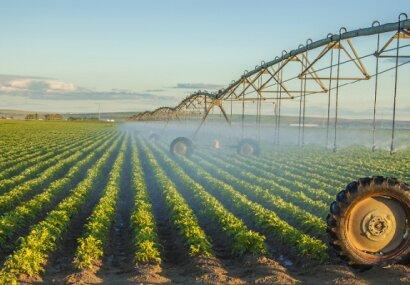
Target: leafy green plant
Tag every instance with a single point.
(142, 219)
(91, 245)
(181, 214)
(32, 254)
(243, 240)
(265, 219)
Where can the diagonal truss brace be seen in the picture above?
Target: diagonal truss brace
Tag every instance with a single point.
(247, 83)
(352, 55)
(213, 103)
(305, 63)
(403, 34)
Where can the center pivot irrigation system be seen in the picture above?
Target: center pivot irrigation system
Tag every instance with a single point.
(369, 223)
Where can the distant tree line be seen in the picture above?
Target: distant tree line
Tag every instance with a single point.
(47, 117)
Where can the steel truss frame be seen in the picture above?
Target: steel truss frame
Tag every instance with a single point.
(266, 82)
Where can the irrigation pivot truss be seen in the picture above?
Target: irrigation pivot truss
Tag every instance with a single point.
(318, 67)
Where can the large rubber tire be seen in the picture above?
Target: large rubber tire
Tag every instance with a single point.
(248, 147)
(182, 146)
(368, 223)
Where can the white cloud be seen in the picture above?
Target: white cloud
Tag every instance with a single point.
(198, 86)
(7, 89)
(38, 93)
(35, 85)
(19, 84)
(61, 86)
(53, 89)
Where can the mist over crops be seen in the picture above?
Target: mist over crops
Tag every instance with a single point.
(349, 132)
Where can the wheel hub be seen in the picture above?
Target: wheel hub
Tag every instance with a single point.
(180, 148)
(376, 225)
(216, 144)
(247, 149)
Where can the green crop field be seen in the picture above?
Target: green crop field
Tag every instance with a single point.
(81, 197)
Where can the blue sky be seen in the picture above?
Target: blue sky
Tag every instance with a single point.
(133, 55)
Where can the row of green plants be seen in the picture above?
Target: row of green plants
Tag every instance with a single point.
(181, 215)
(380, 160)
(243, 240)
(300, 159)
(15, 196)
(262, 218)
(25, 162)
(314, 175)
(22, 152)
(23, 216)
(23, 165)
(15, 142)
(299, 193)
(93, 241)
(42, 167)
(338, 169)
(288, 176)
(294, 215)
(34, 250)
(268, 171)
(274, 187)
(347, 164)
(20, 146)
(145, 238)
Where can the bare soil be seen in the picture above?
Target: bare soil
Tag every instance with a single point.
(251, 270)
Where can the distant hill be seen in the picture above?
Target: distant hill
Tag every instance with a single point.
(21, 114)
(249, 119)
(18, 114)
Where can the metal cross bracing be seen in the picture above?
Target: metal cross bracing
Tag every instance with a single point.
(319, 66)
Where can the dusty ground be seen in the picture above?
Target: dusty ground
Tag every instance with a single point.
(250, 271)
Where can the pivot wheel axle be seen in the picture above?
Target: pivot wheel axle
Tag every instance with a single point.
(248, 147)
(181, 146)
